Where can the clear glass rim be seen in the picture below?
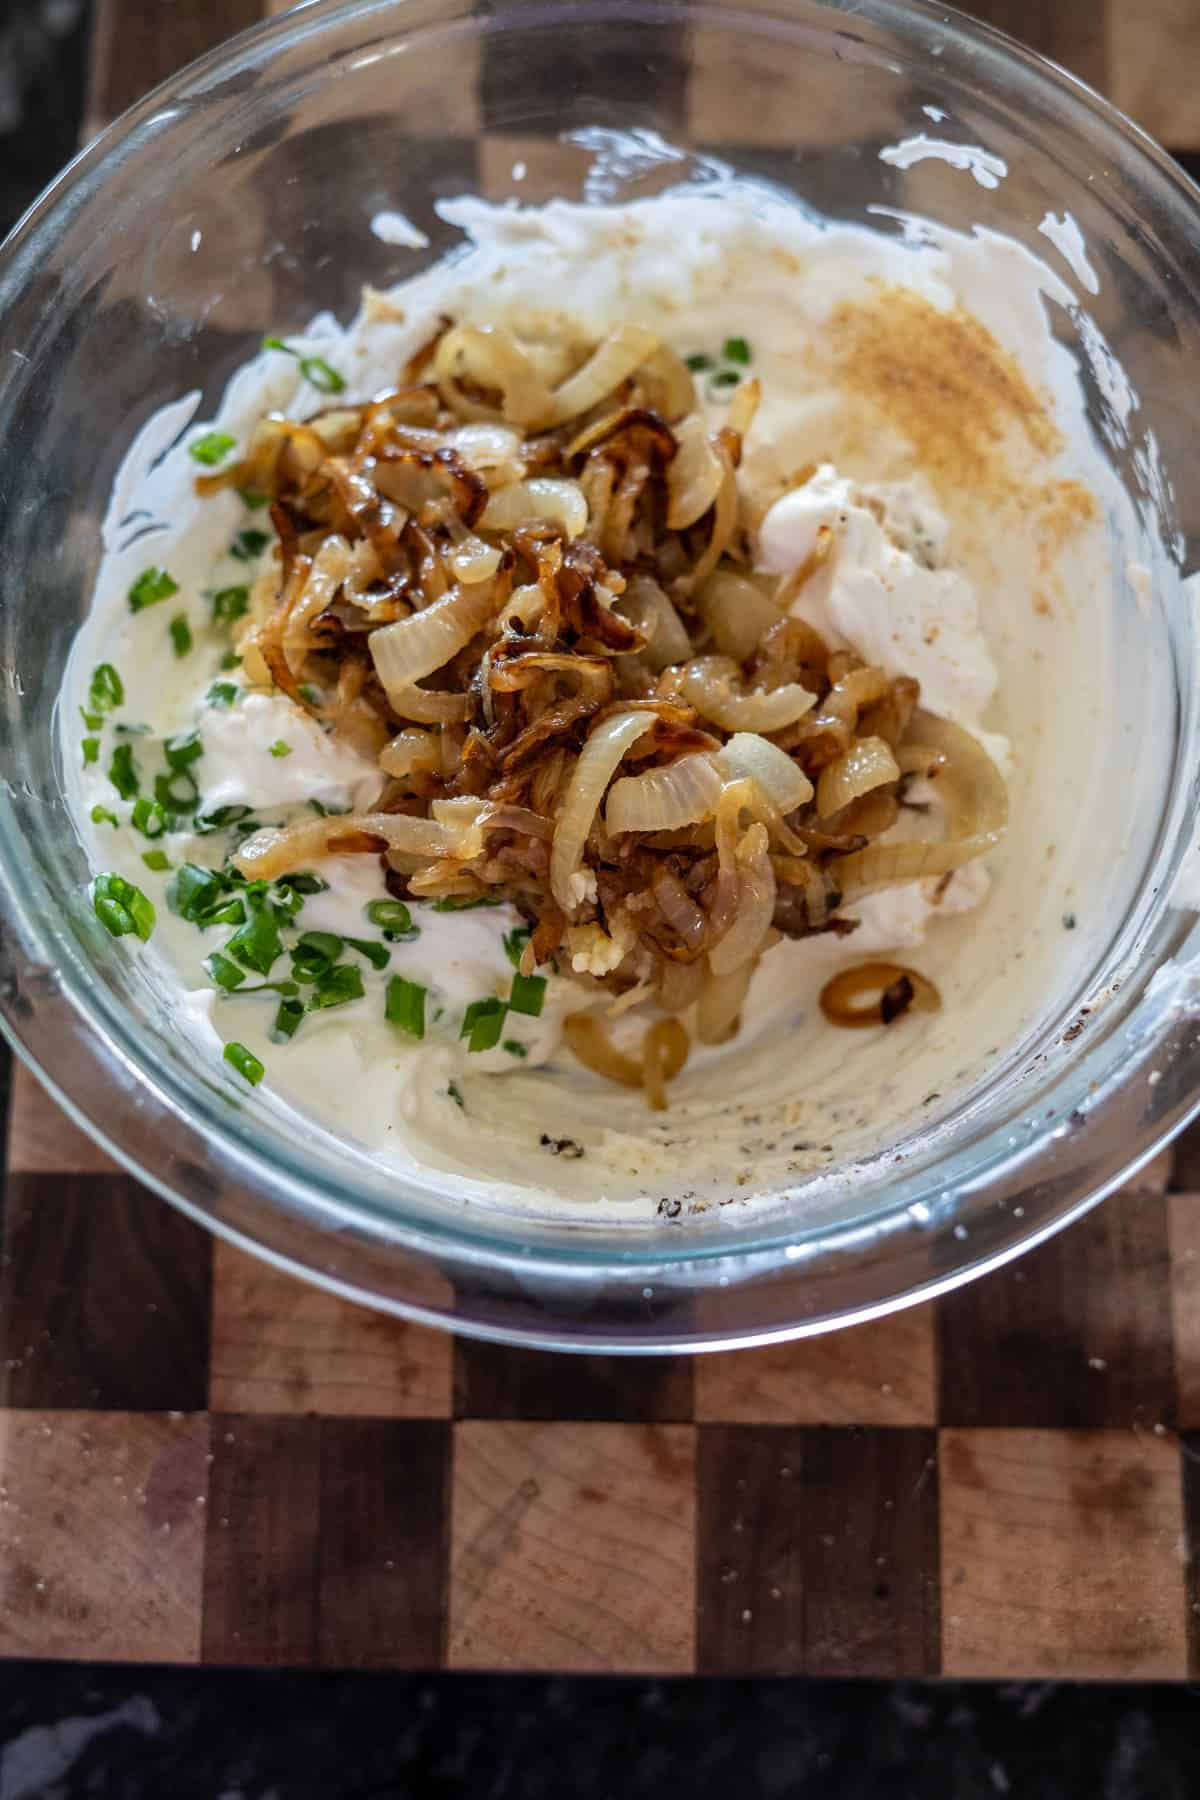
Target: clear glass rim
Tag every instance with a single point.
(289, 1185)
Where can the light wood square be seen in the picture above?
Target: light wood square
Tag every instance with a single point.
(883, 1373)
(41, 1138)
(281, 1346)
(102, 1535)
(1063, 1555)
(573, 1547)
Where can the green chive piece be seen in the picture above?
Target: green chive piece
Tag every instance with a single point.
(181, 634)
(528, 994)
(149, 817)
(105, 691)
(156, 860)
(302, 882)
(245, 1062)
(229, 604)
(736, 350)
(100, 815)
(249, 543)
(230, 660)
(255, 502)
(91, 750)
(515, 942)
(405, 1005)
(221, 818)
(93, 721)
(122, 772)
(151, 586)
(223, 972)
(181, 752)
(724, 378)
(482, 1024)
(324, 810)
(212, 448)
(280, 748)
(318, 371)
(376, 954)
(277, 343)
(514, 1048)
(337, 985)
(448, 903)
(121, 907)
(698, 362)
(288, 1020)
(454, 1092)
(257, 942)
(222, 693)
(197, 891)
(394, 920)
(314, 954)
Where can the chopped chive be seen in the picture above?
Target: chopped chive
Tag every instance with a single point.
(176, 793)
(222, 693)
(454, 1092)
(698, 362)
(231, 660)
(405, 1005)
(528, 994)
(514, 1048)
(127, 729)
(91, 750)
(151, 586)
(318, 371)
(245, 1062)
(156, 860)
(93, 721)
(736, 350)
(448, 903)
(482, 1024)
(257, 942)
(324, 810)
(220, 819)
(225, 973)
(197, 891)
(288, 1019)
(302, 882)
(249, 543)
(255, 502)
(121, 907)
(228, 604)
(105, 691)
(724, 378)
(515, 942)
(212, 448)
(100, 815)
(337, 985)
(376, 954)
(394, 920)
(149, 817)
(277, 343)
(122, 772)
(314, 954)
(280, 748)
(183, 750)
(181, 634)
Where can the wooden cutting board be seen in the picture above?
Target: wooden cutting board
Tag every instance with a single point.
(204, 1461)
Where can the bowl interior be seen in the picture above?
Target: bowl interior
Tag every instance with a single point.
(239, 200)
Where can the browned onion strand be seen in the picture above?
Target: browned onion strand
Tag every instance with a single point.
(877, 993)
(522, 582)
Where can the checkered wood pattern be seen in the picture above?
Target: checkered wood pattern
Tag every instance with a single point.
(202, 1460)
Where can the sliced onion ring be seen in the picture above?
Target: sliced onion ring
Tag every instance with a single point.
(876, 993)
(664, 799)
(599, 759)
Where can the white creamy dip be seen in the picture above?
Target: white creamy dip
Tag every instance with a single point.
(964, 553)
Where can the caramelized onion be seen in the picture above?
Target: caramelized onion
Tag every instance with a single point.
(664, 1051)
(590, 1042)
(867, 764)
(611, 363)
(708, 685)
(737, 612)
(694, 475)
(411, 648)
(876, 993)
(558, 503)
(598, 761)
(755, 906)
(649, 610)
(720, 1004)
(278, 849)
(409, 752)
(664, 799)
(747, 756)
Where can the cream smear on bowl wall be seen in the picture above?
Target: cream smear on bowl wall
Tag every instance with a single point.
(917, 411)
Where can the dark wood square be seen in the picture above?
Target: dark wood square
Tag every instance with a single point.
(135, 46)
(497, 1381)
(326, 1542)
(104, 1297)
(646, 66)
(818, 1551)
(1077, 1333)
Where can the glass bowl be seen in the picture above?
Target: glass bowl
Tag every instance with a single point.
(239, 196)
